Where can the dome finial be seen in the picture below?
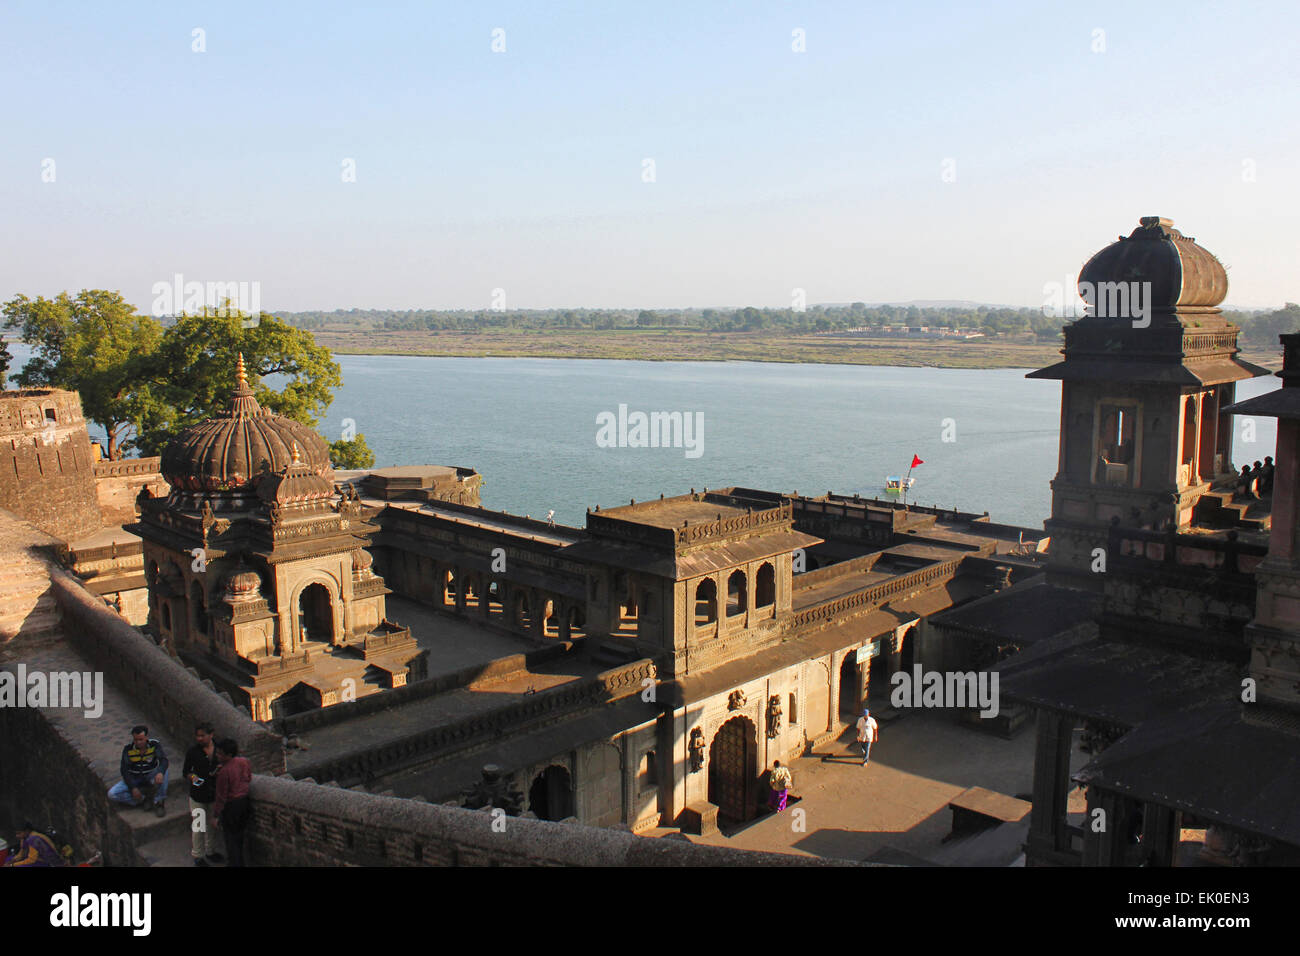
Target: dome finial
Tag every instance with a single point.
(297, 456)
(242, 402)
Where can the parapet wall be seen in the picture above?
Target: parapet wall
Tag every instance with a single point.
(298, 823)
(499, 669)
(142, 668)
(473, 731)
(117, 483)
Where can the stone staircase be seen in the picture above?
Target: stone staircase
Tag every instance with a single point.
(159, 841)
(27, 605)
(32, 634)
(1220, 508)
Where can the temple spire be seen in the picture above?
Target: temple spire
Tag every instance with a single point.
(242, 402)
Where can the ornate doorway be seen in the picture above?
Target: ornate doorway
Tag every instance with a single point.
(851, 686)
(316, 614)
(733, 770)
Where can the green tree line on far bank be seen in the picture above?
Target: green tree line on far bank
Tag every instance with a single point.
(143, 381)
(1260, 328)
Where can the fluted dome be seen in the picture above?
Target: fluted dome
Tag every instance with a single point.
(244, 584)
(298, 482)
(1181, 273)
(235, 448)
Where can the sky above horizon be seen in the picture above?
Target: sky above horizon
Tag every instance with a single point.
(910, 152)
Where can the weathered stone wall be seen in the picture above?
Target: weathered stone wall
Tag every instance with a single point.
(46, 465)
(135, 663)
(117, 483)
(46, 780)
(297, 823)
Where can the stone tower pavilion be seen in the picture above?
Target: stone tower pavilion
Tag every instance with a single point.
(1146, 376)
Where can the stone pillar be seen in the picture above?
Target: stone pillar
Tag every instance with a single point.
(1209, 434)
(1282, 542)
(1160, 834)
(1047, 834)
(1104, 834)
(537, 615)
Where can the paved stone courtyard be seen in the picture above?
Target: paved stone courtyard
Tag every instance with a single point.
(900, 800)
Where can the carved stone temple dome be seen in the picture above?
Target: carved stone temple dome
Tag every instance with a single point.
(243, 584)
(232, 451)
(1182, 274)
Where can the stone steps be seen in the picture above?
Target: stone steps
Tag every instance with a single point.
(1220, 509)
(166, 851)
(100, 741)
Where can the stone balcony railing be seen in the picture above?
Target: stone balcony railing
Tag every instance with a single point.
(109, 552)
(774, 518)
(1137, 549)
(127, 467)
(386, 635)
(470, 732)
(876, 595)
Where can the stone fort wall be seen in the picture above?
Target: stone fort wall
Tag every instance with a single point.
(47, 470)
(298, 823)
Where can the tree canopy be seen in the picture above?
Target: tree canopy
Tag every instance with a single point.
(97, 344)
(144, 383)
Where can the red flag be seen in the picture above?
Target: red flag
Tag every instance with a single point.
(916, 461)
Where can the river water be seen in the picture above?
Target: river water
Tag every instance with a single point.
(988, 437)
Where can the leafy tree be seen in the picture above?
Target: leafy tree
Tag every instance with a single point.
(6, 359)
(97, 344)
(193, 368)
(143, 384)
(1261, 330)
(351, 454)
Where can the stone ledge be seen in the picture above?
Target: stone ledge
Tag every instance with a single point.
(298, 823)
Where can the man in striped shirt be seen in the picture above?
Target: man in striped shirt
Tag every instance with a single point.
(143, 768)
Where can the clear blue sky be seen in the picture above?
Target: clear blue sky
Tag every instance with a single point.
(522, 170)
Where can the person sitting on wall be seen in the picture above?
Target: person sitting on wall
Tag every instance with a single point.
(35, 849)
(1246, 483)
(1266, 476)
(144, 772)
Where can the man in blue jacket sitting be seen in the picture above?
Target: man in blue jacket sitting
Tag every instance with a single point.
(144, 771)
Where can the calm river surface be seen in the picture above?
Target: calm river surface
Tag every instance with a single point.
(529, 427)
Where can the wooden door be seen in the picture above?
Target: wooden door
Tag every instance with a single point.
(733, 770)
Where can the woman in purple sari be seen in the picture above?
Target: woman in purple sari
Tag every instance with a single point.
(35, 849)
(779, 780)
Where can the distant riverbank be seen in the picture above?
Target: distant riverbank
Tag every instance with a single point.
(667, 345)
(694, 346)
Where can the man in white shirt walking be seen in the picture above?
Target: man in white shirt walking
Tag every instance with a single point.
(868, 733)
